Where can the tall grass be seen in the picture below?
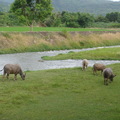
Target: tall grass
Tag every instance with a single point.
(43, 41)
(60, 94)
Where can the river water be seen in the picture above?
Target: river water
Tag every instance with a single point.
(31, 61)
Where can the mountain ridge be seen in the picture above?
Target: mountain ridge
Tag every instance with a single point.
(88, 6)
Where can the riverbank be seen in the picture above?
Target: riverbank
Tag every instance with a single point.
(17, 42)
(111, 53)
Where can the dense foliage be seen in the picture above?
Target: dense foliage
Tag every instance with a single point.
(39, 13)
(32, 10)
(63, 19)
(67, 19)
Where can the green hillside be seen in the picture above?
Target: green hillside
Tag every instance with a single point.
(4, 6)
(7, 1)
(89, 6)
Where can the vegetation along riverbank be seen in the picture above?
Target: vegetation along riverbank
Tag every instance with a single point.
(98, 54)
(60, 94)
(15, 42)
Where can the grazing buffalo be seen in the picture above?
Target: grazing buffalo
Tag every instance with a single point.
(13, 69)
(98, 67)
(84, 64)
(108, 74)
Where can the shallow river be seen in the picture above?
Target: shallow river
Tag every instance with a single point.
(32, 60)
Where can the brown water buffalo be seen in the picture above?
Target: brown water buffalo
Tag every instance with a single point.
(13, 69)
(98, 67)
(108, 75)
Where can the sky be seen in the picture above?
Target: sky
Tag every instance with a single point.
(115, 0)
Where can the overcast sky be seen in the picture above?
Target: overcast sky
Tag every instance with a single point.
(115, 0)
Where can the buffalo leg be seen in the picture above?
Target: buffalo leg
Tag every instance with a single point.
(7, 76)
(15, 78)
(106, 81)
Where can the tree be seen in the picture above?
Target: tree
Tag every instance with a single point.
(113, 16)
(85, 19)
(54, 20)
(10, 19)
(100, 18)
(32, 10)
(70, 19)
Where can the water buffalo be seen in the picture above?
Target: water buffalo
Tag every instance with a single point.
(98, 67)
(84, 64)
(108, 74)
(13, 69)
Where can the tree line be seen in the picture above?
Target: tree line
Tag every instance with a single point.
(67, 19)
(40, 13)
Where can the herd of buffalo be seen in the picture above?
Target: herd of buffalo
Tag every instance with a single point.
(107, 72)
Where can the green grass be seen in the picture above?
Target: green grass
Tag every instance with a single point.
(56, 29)
(60, 94)
(104, 54)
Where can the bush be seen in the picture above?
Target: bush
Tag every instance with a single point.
(73, 24)
(115, 25)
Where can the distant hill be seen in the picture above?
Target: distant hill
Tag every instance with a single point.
(7, 1)
(89, 6)
(4, 6)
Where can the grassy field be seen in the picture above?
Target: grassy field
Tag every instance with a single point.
(60, 94)
(55, 29)
(103, 54)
